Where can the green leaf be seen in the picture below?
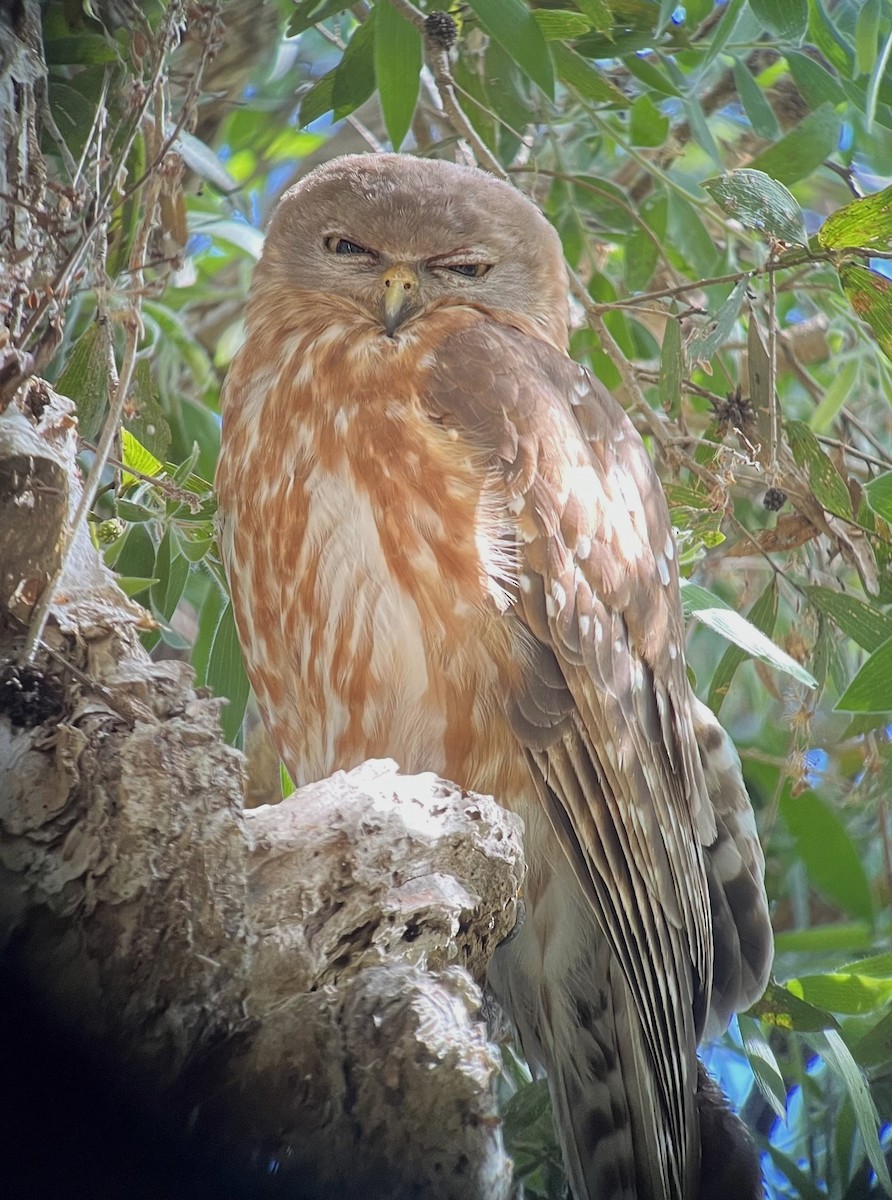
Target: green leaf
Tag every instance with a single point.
(204, 161)
(398, 59)
(561, 24)
(815, 82)
(803, 149)
(866, 222)
(688, 238)
(786, 19)
(867, 31)
(870, 295)
(874, 1049)
(826, 483)
(825, 939)
(838, 874)
(136, 558)
(600, 18)
(79, 50)
(755, 105)
(719, 616)
(226, 674)
(838, 1057)
(651, 76)
(578, 74)
(759, 202)
(804, 1188)
(146, 420)
(85, 379)
(171, 571)
(286, 783)
(700, 129)
(312, 12)
(864, 624)
(713, 336)
(350, 83)
(843, 992)
(138, 458)
(515, 28)
(765, 1066)
(878, 493)
(762, 615)
(647, 125)
(871, 689)
(781, 1008)
(835, 396)
(236, 233)
(734, 11)
(671, 366)
(132, 585)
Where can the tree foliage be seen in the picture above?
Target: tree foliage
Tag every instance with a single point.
(719, 174)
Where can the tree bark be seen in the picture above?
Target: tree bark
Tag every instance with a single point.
(296, 987)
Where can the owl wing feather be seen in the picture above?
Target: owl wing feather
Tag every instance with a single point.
(604, 709)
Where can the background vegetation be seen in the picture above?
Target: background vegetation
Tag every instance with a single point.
(718, 173)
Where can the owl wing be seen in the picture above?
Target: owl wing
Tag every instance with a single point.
(604, 710)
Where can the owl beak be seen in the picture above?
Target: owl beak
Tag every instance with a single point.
(400, 286)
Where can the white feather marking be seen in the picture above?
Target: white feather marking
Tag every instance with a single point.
(515, 505)
(584, 547)
(525, 583)
(341, 420)
(669, 548)
(662, 568)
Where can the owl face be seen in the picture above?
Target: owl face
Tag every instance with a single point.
(396, 237)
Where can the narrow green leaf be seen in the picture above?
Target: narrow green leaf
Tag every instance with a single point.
(866, 222)
(132, 586)
(764, 1064)
(803, 149)
(762, 616)
(867, 31)
(878, 493)
(835, 396)
(651, 76)
(226, 674)
(579, 74)
(136, 558)
(759, 202)
(171, 571)
(515, 28)
(688, 238)
(286, 783)
(398, 58)
(877, 77)
(840, 875)
(204, 161)
(671, 366)
(755, 105)
(838, 1057)
(870, 295)
(825, 939)
(864, 624)
(874, 1048)
(786, 20)
(871, 689)
(805, 1188)
(699, 127)
(734, 10)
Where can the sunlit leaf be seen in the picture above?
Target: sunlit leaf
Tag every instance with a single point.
(647, 125)
(843, 992)
(759, 202)
(866, 222)
(762, 616)
(840, 875)
(867, 30)
(557, 23)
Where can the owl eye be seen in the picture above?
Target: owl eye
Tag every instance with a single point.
(471, 270)
(339, 245)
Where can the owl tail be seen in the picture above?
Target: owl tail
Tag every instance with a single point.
(576, 1021)
(570, 1004)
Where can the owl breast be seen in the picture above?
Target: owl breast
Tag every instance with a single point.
(367, 582)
